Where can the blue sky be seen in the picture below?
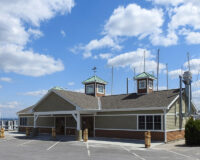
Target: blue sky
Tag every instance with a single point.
(57, 43)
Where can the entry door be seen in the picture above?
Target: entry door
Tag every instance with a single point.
(60, 125)
(88, 122)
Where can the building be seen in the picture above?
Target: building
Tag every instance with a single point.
(119, 116)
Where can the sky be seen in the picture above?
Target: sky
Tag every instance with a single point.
(44, 44)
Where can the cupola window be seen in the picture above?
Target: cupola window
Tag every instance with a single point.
(100, 88)
(142, 84)
(90, 88)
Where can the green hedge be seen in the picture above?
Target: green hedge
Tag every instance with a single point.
(192, 132)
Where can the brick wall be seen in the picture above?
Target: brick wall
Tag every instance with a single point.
(157, 136)
(175, 135)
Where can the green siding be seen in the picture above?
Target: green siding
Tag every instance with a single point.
(45, 121)
(54, 103)
(116, 122)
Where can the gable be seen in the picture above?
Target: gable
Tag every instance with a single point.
(53, 102)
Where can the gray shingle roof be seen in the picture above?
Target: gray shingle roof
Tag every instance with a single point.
(123, 101)
(27, 110)
(155, 99)
(80, 99)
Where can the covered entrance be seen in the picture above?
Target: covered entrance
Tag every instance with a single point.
(60, 125)
(88, 122)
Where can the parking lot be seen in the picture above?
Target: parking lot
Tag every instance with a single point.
(18, 147)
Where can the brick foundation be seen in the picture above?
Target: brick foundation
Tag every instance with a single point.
(175, 135)
(157, 136)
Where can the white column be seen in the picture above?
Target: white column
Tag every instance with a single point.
(78, 121)
(35, 120)
(165, 132)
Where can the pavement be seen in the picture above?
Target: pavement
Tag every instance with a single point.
(17, 146)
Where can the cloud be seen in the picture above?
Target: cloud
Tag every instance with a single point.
(130, 20)
(19, 24)
(70, 83)
(168, 2)
(194, 66)
(105, 55)
(15, 59)
(95, 44)
(63, 33)
(175, 73)
(11, 105)
(135, 59)
(81, 90)
(36, 93)
(196, 97)
(5, 79)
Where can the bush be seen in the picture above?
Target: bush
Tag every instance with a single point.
(192, 132)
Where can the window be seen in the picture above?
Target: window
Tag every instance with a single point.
(149, 122)
(142, 122)
(23, 121)
(157, 122)
(150, 84)
(90, 88)
(100, 88)
(142, 84)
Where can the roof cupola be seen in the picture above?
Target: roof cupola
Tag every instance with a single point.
(144, 82)
(95, 86)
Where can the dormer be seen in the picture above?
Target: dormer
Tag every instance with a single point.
(144, 83)
(95, 86)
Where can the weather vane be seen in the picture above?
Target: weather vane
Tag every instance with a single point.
(94, 69)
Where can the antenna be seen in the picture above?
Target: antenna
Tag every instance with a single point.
(188, 56)
(158, 57)
(127, 85)
(144, 61)
(112, 81)
(94, 69)
(167, 74)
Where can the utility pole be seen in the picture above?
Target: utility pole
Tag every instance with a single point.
(188, 56)
(112, 82)
(127, 85)
(144, 61)
(167, 74)
(158, 58)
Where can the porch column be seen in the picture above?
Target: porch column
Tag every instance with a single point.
(79, 131)
(35, 129)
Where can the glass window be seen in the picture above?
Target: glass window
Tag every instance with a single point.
(142, 84)
(150, 84)
(100, 88)
(149, 122)
(90, 88)
(23, 121)
(157, 122)
(142, 122)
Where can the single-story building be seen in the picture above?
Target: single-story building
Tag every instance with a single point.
(117, 116)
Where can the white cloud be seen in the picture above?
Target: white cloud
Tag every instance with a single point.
(14, 59)
(160, 88)
(11, 105)
(105, 42)
(105, 55)
(81, 90)
(36, 93)
(5, 79)
(134, 21)
(196, 84)
(63, 33)
(194, 66)
(168, 2)
(70, 83)
(17, 20)
(135, 59)
(175, 73)
(193, 38)
(0, 86)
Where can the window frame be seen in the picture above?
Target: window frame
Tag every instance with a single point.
(98, 88)
(153, 123)
(86, 89)
(145, 84)
(150, 86)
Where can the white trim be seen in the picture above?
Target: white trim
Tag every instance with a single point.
(114, 129)
(172, 102)
(165, 126)
(171, 130)
(54, 112)
(112, 115)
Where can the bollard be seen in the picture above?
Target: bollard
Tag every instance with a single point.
(53, 132)
(2, 133)
(79, 135)
(27, 131)
(85, 135)
(147, 139)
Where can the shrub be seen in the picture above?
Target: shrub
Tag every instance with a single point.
(192, 132)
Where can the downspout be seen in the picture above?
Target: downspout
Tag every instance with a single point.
(165, 132)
